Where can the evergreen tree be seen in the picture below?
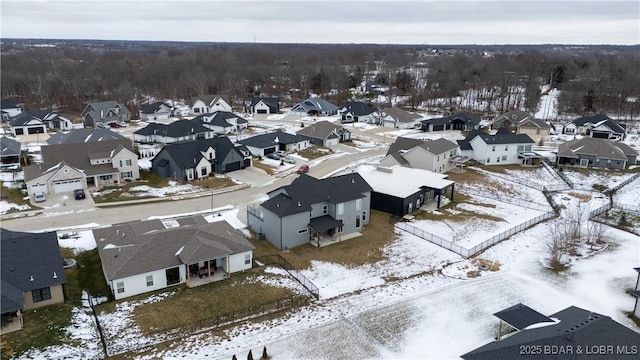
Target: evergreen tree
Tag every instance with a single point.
(250, 356)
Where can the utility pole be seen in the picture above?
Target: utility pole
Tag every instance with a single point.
(212, 200)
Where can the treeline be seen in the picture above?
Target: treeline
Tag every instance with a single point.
(71, 76)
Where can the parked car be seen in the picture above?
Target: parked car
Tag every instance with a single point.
(289, 160)
(79, 194)
(39, 197)
(273, 156)
(303, 169)
(115, 125)
(281, 153)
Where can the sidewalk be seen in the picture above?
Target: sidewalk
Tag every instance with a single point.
(175, 197)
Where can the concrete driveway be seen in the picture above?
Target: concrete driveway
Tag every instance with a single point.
(252, 175)
(65, 201)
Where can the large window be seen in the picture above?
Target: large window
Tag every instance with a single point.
(340, 209)
(120, 287)
(126, 162)
(41, 294)
(126, 174)
(358, 204)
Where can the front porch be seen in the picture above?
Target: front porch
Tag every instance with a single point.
(11, 321)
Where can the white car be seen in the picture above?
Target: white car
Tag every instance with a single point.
(289, 160)
(39, 197)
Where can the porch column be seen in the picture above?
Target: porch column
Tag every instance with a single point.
(209, 269)
(188, 275)
(439, 196)
(452, 188)
(228, 267)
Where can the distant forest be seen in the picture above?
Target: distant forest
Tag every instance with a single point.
(71, 73)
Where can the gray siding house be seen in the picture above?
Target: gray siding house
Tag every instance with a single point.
(310, 210)
(594, 152)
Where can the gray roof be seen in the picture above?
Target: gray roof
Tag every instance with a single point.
(272, 102)
(25, 117)
(400, 115)
(270, 139)
(78, 155)
(97, 110)
(514, 116)
(520, 316)
(602, 148)
(219, 118)
(577, 328)
(315, 104)
(461, 116)
(142, 246)
(210, 98)
(320, 130)
(9, 147)
(502, 136)
(9, 104)
(305, 191)
(358, 108)
(26, 269)
(84, 135)
(599, 119)
(11, 298)
(152, 108)
(175, 129)
(186, 154)
(435, 147)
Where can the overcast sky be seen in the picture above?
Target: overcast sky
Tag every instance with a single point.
(307, 21)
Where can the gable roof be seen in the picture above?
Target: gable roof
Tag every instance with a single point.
(401, 182)
(602, 148)
(209, 99)
(320, 130)
(315, 104)
(187, 154)
(219, 118)
(271, 102)
(153, 108)
(576, 326)
(466, 118)
(138, 247)
(78, 155)
(399, 114)
(437, 146)
(502, 136)
(597, 120)
(84, 135)
(25, 117)
(306, 190)
(520, 316)
(26, 269)
(174, 129)
(9, 104)
(269, 139)
(539, 123)
(97, 110)
(9, 147)
(358, 108)
(514, 116)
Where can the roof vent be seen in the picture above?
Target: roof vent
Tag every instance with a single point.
(55, 276)
(12, 269)
(353, 181)
(299, 204)
(31, 279)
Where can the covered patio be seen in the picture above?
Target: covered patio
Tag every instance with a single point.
(325, 229)
(207, 271)
(530, 158)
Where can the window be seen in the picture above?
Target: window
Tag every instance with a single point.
(247, 259)
(105, 177)
(120, 287)
(504, 157)
(340, 209)
(357, 221)
(126, 162)
(364, 216)
(498, 159)
(520, 148)
(493, 148)
(149, 280)
(528, 147)
(41, 294)
(325, 209)
(358, 204)
(438, 158)
(126, 174)
(506, 148)
(302, 231)
(203, 171)
(410, 207)
(488, 160)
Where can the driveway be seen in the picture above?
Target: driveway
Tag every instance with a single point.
(65, 201)
(252, 175)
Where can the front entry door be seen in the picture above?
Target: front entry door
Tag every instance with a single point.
(173, 276)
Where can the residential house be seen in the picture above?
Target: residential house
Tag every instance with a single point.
(261, 105)
(222, 122)
(101, 114)
(315, 106)
(434, 155)
(10, 151)
(399, 190)
(159, 110)
(357, 111)
(502, 148)
(325, 133)
(310, 210)
(572, 333)
(25, 123)
(397, 118)
(142, 256)
(100, 163)
(179, 130)
(30, 279)
(83, 135)
(264, 144)
(523, 123)
(9, 109)
(198, 159)
(204, 104)
(636, 293)
(594, 152)
(597, 126)
(460, 121)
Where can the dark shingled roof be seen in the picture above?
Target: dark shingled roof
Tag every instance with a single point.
(152, 108)
(188, 153)
(324, 223)
(26, 269)
(269, 139)
(218, 118)
(502, 136)
(358, 108)
(141, 246)
(9, 147)
(437, 146)
(576, 327)
(8, 104)
(520, 316)
(306, 191)
(11, 298)
(461, 116)
(175, 129)
(598, 120)
(83, 135)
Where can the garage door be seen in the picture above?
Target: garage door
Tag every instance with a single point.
(19, 131)
(36, 188)
(232, 166)
(262, 111)
(269, 150)
(67, 185)
(35, 130)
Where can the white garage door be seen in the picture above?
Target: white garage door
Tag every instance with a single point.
(67, 185)
(36, 188)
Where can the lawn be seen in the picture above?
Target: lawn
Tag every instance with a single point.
(13, 196)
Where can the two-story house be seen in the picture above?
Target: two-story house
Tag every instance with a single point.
(357, 111)
(522, 122)
(101, 114)
(32, 274)
(502, 148)
(209, 103)
(222, 122)
(9, 108)
(310, 210)
(67, 167)
(433, 155)
(179, 130)
(198, 159)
